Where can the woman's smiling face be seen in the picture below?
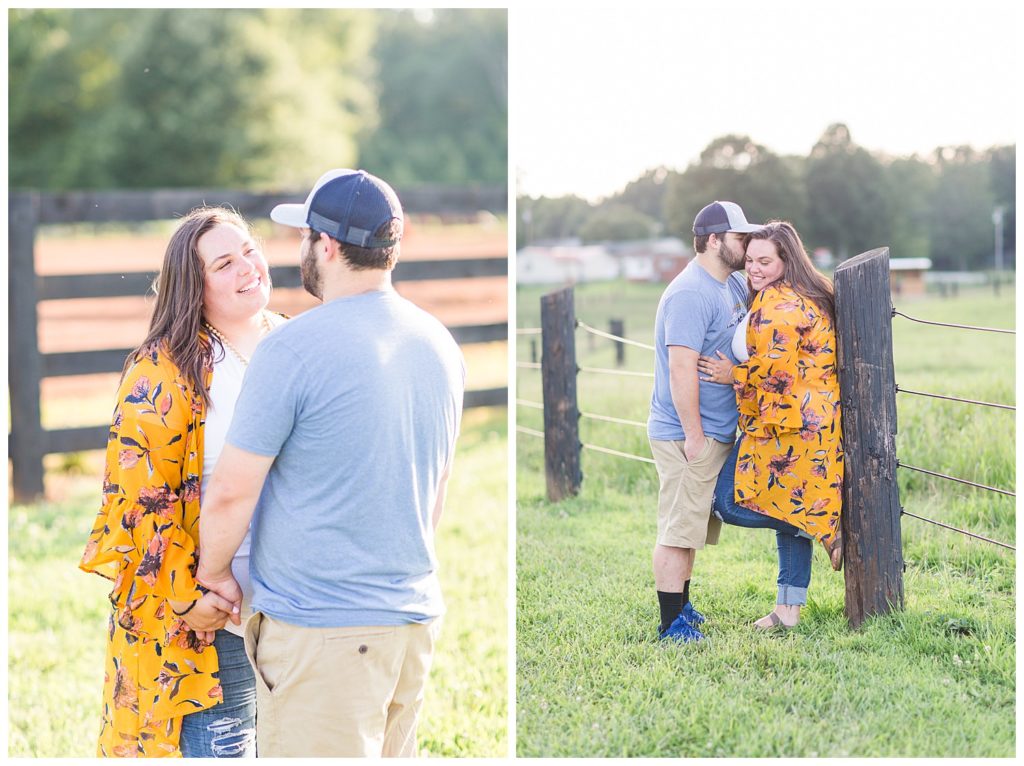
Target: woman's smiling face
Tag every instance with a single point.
(236, 282)
(763, 264)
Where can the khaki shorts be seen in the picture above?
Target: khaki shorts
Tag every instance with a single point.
(338, 692)
(686, 492)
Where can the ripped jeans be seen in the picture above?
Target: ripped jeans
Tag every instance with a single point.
(227, 730)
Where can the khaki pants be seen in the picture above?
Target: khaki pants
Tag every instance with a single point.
(686, 491)
(341, 692)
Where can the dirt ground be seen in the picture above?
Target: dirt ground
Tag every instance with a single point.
(98, 323)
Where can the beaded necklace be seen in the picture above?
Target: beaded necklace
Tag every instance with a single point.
(227, 344)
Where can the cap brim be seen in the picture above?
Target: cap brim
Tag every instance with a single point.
(746, 228)
(290, 215)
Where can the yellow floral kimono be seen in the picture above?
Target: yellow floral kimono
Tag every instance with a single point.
(145, 539)
(790, 463)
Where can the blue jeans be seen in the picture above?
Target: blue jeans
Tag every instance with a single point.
(228, 729)
(795, 546)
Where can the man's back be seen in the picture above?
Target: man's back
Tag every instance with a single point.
(360, 399)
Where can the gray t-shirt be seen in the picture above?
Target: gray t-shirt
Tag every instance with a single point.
(360, 401)
(701, 313)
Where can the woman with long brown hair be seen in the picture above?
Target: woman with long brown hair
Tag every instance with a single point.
(786, 469)
(176, 679)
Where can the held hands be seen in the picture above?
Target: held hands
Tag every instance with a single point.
(205, 616)
(715, 370)
(224, 586)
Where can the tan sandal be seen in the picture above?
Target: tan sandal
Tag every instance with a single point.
(776, 623)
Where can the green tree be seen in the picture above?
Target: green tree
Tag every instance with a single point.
(846, 195)
(186, 97)
(443, 98)
(615, 222)
(736, 168)
(49, 50)
(226, 97)
(910, 188)
(549, 218)
(317, 92)
(646, 194)
(1003, 164)
(961, 215)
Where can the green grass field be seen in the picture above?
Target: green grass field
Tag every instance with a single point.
(57, 614)
(937, 679)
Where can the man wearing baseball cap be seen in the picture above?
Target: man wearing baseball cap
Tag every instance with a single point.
(342, 442)
(692, 423)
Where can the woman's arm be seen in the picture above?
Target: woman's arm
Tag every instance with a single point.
(139, 539)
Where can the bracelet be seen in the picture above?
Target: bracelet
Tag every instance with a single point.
(189, 609)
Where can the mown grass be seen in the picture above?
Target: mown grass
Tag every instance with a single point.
(937, 679)
(57, 615)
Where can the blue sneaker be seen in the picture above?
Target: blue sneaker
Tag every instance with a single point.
(681, 631)
(692, 616)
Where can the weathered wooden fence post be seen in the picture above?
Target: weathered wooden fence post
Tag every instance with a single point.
(558, 374)
(24, 366)
(617, 327)
(872, 541)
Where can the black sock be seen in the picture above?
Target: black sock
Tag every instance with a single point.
(686, 594)
(671, 605)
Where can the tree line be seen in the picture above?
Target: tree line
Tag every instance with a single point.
(841, 197)
(251, 98)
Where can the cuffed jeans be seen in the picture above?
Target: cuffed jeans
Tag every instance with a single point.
(226, 730)
(795, 546)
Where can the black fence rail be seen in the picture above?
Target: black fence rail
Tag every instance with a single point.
(28, 441)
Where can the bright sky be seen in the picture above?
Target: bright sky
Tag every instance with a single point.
(598, 96)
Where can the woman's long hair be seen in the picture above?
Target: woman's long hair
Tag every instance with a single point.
(798, 270)
(178, 315)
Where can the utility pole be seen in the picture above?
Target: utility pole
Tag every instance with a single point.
(997, 221)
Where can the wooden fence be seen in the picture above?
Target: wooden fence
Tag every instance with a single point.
(28, 441)
(872, 542)
(872, 538)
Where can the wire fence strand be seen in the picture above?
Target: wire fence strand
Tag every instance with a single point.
(527, 403)
(622, 421)
(530, 431)
(958, 326)
(594, 331)
(617, 453)
(955, 399)
(900, 464)
(609, 419)
(604, 371)
(961, 531)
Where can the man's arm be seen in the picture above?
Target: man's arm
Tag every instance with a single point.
(442, 490)
(685, 387)
(225, 516)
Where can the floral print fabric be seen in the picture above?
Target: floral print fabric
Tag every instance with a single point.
(145, 539)
(790, 464)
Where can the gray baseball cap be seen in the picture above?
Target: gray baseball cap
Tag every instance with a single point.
(720, 217)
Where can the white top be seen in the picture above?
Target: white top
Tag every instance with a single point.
(739, 340)
(224, 389)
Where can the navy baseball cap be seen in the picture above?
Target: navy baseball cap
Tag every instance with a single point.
(720, 217)
(348, 205)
